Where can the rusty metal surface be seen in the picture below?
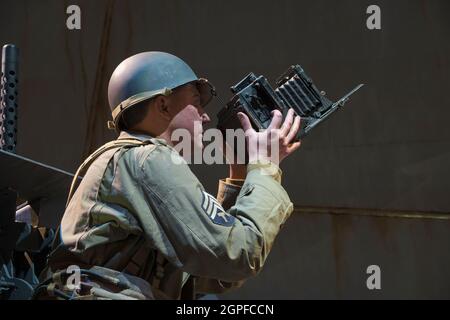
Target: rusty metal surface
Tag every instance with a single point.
(98, 112)
(374, 213)
(325, 256)
(388, 150)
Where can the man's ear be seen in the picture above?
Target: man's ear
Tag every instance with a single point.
(161, 104)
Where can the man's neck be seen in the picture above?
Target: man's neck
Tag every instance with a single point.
(166, 136)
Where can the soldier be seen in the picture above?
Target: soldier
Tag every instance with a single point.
(140, 226)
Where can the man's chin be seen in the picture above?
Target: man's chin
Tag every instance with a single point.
(197, 145)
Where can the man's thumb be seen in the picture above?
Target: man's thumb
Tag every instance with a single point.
(245, 122)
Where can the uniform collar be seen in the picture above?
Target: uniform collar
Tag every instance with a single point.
(142, 137)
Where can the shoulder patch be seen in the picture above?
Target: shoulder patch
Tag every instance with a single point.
(215, 211)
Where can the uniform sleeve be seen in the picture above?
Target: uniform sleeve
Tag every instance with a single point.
(227, 194)
(228, 191)
(195, 233)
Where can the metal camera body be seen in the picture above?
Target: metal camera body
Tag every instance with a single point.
(255, 97)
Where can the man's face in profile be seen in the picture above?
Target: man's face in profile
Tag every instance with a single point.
(189, 113)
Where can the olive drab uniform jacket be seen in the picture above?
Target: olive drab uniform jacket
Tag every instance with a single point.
(141, 226)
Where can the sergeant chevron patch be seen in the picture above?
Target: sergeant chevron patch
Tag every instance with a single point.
(215, 211)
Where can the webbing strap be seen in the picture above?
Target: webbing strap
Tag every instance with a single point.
(89, 160)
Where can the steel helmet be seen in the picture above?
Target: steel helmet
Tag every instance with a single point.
(146, 75)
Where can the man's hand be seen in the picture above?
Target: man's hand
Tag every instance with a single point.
(238, 169)
(275, 143)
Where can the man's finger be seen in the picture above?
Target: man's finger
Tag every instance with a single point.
(287, 122)
(245, 121)
(294, 147)
(276, 120)
(294, 129)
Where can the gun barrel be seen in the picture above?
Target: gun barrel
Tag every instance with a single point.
(8, 97)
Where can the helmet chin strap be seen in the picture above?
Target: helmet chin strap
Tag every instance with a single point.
(207, 93)
(111, 125)
(131, 101)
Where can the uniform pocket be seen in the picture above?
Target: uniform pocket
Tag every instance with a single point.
(246, 190)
